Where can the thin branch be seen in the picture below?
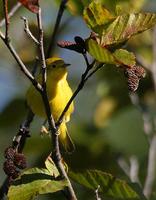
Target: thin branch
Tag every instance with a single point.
(134, 170)
(151, 173)
(154, 58)
(124, 166)
(20, 63)
(5, 6)
(28, 32)
(56, 27)
(147, 124)
(80, 86)
(11, 13)
(97, 193)
(94, 71)
(56, 153)
(85, 76)
(151, 168)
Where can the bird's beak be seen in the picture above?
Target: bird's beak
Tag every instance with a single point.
(66, 64)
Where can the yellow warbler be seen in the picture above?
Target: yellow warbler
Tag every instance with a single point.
(59, 93)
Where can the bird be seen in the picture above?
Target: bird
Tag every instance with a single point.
(59, 93)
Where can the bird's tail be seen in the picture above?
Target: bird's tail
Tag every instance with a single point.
(66, 139)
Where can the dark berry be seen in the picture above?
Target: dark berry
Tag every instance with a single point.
(20, 161)
(9, 153)
(9, 167)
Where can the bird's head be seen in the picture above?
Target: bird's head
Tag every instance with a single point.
(56, 67)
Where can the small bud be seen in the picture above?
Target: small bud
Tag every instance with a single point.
(78, 45)
(9, 167)
(20, 161)
(9, 153)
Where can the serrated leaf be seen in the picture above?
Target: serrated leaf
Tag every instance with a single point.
(127, 25)
(34, 182)
(110, 186)
(99, 53)
(114, 30)
(96, 16)
(125, 57)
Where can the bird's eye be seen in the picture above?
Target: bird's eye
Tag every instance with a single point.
(54, 66)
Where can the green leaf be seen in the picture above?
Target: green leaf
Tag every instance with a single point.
(125, 26)
(110, 186)
(34, 182)
(124, 57)
(99, 53)
(114, 30)
(50, 165)
(96, 16)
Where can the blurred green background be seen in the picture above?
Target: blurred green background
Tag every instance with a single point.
(105, 126)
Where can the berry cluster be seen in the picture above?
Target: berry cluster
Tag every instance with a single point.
(14, 162)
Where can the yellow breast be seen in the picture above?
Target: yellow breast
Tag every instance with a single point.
(59, 94)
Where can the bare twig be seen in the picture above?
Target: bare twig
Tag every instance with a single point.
(20, 63)
(148, 127)
(56, 153)
(134, 170)
(11, 13)
(27, 30)
(56, 27)
(151, 168)
(148, 187)
(85, 76)
(97, 193)
(124, 166)
(5, 6)
(94, 71)
(154, 58)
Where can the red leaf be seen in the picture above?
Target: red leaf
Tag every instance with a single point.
(32, 5)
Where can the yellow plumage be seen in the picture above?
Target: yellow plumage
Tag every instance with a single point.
(59, 93)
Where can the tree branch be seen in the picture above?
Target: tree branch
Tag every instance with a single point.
(20, 63)
(11, 13)
(97, 193)
(5, 7)
(154, 58)
(56, 27)
(54, 131)
(28, 32)
(149, 181)
(151, 168)
(85, 76)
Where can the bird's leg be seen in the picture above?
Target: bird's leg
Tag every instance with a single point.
(44, 129)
